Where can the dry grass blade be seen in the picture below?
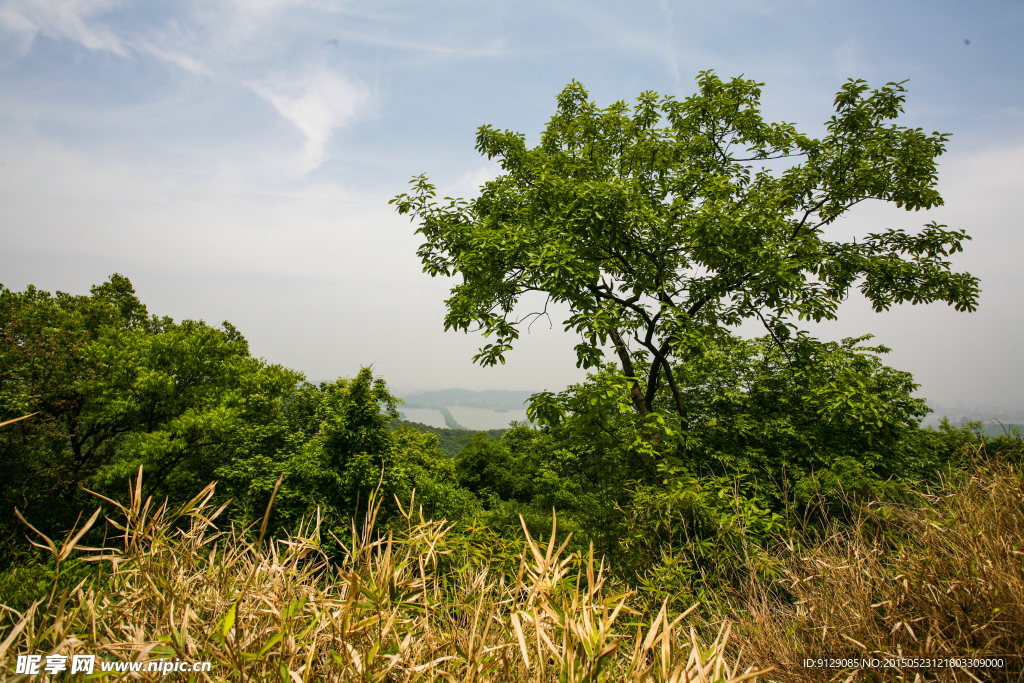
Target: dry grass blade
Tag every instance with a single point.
(17, 419)
(280, 611)
(18, 628)
(50, 545)
(266, 515)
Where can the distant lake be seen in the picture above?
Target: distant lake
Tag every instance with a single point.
(485, 418)
(470, 418)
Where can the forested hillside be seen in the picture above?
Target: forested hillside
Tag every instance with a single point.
(452, 441)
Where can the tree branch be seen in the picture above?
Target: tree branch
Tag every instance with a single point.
(642, 406)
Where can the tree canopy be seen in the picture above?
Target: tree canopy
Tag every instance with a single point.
(111, 389)
(662, 226)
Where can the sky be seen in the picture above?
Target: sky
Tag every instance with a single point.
(234, 158)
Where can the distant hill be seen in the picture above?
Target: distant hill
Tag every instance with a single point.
(491, 399)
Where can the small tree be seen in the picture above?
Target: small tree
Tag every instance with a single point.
(660, 230)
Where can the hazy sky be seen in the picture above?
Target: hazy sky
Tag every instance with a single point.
(234, 158)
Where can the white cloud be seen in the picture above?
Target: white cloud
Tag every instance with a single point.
(468, 184)
(23, 20)
(982, 191)
(318, 278)
(57, 199)
(317, 104)
(179, 59)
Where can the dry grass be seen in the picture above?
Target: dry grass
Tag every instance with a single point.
(939, 576)
(180, 587)
(942, 576)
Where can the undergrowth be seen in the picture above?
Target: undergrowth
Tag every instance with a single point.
(936, 573)
(279, 610)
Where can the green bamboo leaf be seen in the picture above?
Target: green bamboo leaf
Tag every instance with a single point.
(227, 622)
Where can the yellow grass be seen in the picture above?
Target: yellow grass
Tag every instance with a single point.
(940, 576)
(180, 587)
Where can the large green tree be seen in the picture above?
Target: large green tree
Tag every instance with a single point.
(661, 227)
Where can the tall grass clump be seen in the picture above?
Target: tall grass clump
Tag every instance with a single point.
(179, 586)
(940, 574)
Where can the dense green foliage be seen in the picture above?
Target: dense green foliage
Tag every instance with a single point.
(451, 441)
(776, 434)
(113, 389)
(787, 416)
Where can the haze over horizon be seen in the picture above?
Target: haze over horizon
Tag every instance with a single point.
(235, 159)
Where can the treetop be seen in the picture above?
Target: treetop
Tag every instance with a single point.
(662, 221)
